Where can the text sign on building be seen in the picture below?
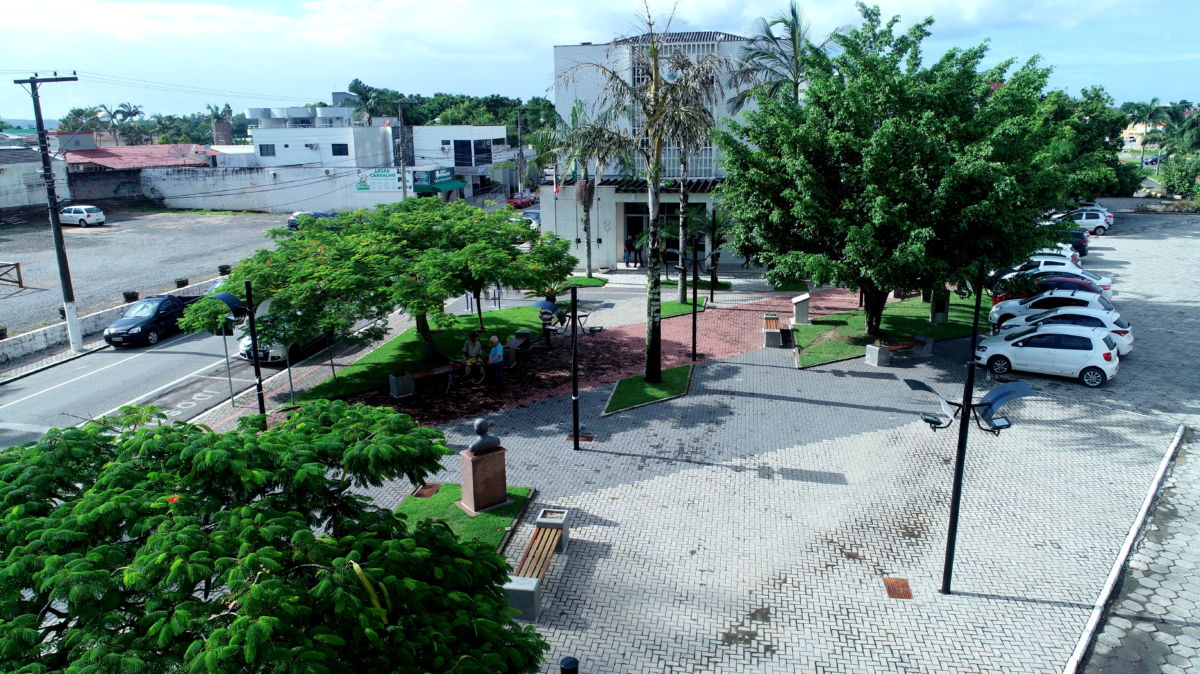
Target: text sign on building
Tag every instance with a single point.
(381, 180)
(433, 177)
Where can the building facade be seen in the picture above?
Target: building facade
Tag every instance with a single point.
(317, 137)
(21, 183)
(620, 207)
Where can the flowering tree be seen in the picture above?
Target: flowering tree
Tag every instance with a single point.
(130, 545)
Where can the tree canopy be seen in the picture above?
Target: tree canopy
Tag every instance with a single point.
(894, 174)
(130, 545)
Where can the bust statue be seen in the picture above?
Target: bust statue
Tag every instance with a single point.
(484, 443)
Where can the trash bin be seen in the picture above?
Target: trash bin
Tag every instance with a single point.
(401, 385)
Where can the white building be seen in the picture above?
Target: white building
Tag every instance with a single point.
(21, 184)
(620, 207)
(326, 137)
(470, 152)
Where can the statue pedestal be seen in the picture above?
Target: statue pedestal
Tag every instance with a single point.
(484, 481)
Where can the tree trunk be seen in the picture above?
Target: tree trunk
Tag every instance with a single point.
(653, 369)
(478, 306)
(874, 300)
(432, 355)
(683, 216)
(1142, 142)
(586, 202)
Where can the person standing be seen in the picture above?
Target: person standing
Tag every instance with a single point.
(495, 364)
(630, 246)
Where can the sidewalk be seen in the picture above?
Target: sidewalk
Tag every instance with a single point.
(16, 368)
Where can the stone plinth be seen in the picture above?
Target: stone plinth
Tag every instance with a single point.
(484, 480)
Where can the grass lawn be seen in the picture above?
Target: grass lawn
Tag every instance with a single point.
(635, 390)
(671, 308)
(488, 527)
(702, 285)
(585, 282)
(404, 352)
(844, 335)
(793, 286)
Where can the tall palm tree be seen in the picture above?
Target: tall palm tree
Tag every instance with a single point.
(773, 63)
(111, 117)
(579, 142)
(1148, 114)
(642, 105)
(374, 102)
(1180, 132)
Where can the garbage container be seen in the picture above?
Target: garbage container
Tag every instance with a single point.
(401, 385)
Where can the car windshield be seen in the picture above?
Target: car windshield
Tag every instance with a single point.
(91, 209)
(1019, 334)
(1104, 302)
(1121, 323)
(143, 309)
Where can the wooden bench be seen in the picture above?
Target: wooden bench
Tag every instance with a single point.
(773, 331)
(524, 586)
(405, 384)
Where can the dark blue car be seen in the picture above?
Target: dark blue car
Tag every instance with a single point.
(146, 321)
(293, 222)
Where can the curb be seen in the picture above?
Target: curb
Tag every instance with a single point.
(686, 389)
(47, 366)
(1118, 568)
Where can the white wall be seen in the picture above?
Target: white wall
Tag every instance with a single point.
(21, 184)
(427, 140)
(367, 146)
(275, 190)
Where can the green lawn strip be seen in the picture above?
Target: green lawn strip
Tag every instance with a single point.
(635, 390)
(404, 352)
(841, 336)
(672, 308)
(488, 526)
(793, 286)
(585, 282)
(702, 285)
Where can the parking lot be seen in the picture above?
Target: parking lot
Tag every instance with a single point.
(138, 251)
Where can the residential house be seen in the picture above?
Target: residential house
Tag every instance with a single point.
(105, 173)
(620, 200)
(21, 184)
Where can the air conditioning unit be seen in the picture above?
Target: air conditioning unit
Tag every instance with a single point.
(312, 146)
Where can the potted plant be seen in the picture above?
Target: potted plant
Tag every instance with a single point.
(181, 282)
(223, 269)
(130, 295)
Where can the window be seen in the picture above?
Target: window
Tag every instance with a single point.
(1100, 299)
(498, 141)
(1074, 343)
(266, 150)
(1040, 342)
(1050, 303)
(1089, 321)
(341, 149)
(483, 153)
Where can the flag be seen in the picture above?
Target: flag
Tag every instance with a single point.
(556, 180)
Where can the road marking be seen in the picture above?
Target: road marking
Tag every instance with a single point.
(213, 376)
(190, 375)
(31, 428)
(72, 381)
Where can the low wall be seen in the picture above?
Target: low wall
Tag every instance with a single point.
(281, 189)
(56, 335)
(89, 186)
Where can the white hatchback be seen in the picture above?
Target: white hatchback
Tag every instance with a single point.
(1119, 328)
(81, 215)
(1007, 310)
(1089, 354)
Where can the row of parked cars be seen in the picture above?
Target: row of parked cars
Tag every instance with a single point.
(1063, 322)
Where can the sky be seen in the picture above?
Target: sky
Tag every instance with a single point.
(174, 57)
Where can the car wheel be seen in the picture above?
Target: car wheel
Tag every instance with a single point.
(999, 365)
(1099, 231)
(83, 223)
(152, 337)
(1093, 377)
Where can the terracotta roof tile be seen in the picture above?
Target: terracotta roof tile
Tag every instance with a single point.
(140, 156)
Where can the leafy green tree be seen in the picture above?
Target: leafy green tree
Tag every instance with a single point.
(893, 174)
(82, 119)
(1089, 141)
(773, 62)
(5, 125)
(1179, 131)
(131, 545)
(1179, 176)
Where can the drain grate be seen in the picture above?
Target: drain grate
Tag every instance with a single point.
(897, 588)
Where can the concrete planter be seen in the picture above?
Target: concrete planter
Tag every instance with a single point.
(878, 355)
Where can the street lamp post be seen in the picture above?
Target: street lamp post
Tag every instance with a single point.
(695, 285)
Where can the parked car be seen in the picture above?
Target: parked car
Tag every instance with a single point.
(534, 215)
(1103, 282)
(81, 215)
(1095, 222)
(1044, 283)
(293, 222)
(1152, 160)
(1061, 251)
(276, 353)
(1077, 239)
(1120, 329)
(1051, 299)
(521, 200)
(1066, 350)
(148, 320)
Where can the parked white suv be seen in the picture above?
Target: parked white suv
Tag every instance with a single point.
(1119, 328)
(1065, 350)
(1051, 299)
(81, 215)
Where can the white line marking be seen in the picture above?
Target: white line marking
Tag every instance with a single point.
(31, 428)
(190, 375)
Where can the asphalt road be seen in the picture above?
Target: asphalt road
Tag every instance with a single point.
(185, 373)
(145, 252)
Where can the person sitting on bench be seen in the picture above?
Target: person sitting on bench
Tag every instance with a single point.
(472, 348)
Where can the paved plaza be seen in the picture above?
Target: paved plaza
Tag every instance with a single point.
(748, 526)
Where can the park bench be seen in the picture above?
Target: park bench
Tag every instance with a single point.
(521, 341)
(776, 333)
(405, 383)
(524, 586)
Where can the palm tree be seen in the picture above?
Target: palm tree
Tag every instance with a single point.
(581, 141)
(373, 102)
(112, 117)
(644, 104)
(1180, 132)
(1148, 114)
(773, 63)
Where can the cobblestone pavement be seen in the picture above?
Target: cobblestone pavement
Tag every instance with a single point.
(747, 527)
(1154, 622)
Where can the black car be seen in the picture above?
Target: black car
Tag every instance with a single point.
(145, 321)
(293, 222)
(1078, 240)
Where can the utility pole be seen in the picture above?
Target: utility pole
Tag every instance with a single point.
(74, 334)
(520, 156)
(400, 154)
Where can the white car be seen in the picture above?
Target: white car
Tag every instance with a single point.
(81, 215)
(1119, 328)
(1095, 220)
(1066, 350)
(1057, 254)
(1007, 310)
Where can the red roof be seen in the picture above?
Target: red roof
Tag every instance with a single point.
(140, 156)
